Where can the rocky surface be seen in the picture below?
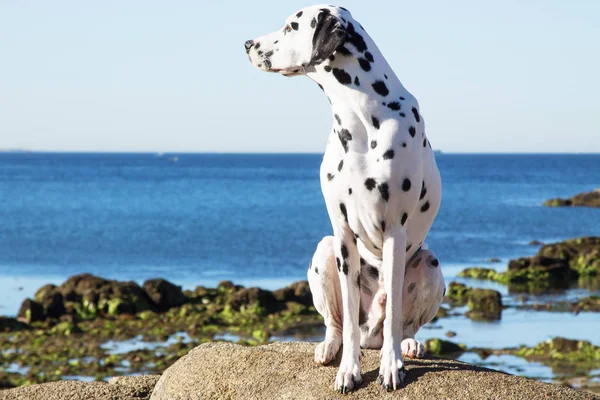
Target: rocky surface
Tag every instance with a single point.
(69, 326)
(287, 371)
(556, 265)
(588, 199)
(483, 304)
(122, 388)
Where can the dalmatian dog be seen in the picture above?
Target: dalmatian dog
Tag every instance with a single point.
(382, 189)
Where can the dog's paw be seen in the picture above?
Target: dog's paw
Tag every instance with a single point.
(391, 370)
(326, 351)
(348, 376)
(412, 348)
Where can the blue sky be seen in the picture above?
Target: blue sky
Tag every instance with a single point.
(510, 76)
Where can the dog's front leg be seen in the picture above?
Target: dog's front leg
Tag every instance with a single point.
(391, 370)
(348, 264)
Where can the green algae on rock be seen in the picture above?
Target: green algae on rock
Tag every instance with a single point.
(483, 304)
(555, 265)
(587, 199)
(441, 347)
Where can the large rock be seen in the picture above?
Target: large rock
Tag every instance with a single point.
(8, 324)
(30, 311)
(164, 294)
(126, 388)
(588, 199)
(287, 371)
(298, 292)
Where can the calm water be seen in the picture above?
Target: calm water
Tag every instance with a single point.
(254, 219)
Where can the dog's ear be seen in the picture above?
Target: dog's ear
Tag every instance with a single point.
(329, 35)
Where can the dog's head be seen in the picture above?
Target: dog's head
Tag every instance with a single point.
(308, 37)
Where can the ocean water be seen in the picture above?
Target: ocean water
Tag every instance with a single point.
(251, 218)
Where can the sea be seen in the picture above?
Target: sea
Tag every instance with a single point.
(255, 219)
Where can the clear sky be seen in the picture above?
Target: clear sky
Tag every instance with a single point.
(145, 75)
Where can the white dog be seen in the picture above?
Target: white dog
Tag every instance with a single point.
(382, 189)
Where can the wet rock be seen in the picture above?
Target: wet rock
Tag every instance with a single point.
(484, 305)
(263, 298)
(588, 199)
(30, 311)
(164, 294)
(439, 347)
(562, 353)
(556, 265)
(51, 300)
(298, 292)
(457, 294)
(8, 324)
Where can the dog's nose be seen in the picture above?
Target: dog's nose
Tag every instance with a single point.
(248, 45)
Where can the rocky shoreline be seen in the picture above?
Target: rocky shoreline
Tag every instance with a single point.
(588, 199)
(70, 330)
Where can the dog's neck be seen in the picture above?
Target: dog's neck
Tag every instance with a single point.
(350, 87)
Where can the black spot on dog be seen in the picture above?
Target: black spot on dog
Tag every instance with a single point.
(257, 46)
(403, 219)
(269, 54)
(383, 226)
(423, 191)
(331, 57)
(364, 64)
(349, 190)
(345, 137)
(268, 64)
(414, 263)
(373, 144)
(299, 14)
(344, 252)
(345, 268)
(369, 56)
(424, 142)
(406, 185)
(294, 26)
(313, 23)
(412, 131)
(380, 88)
(338, 119)
(341, 165)
(411, 287)
(402, 114)
(385, 76)
(425, 207)
(344, 211)
(275, 42)
(416, 114)
(394, 106)
(373, 272)
(355, 38)
(403, 144)
(356, 81)
(370, 183)
(338, 262)
(343, 51)
(330, 176)
(384, 191)
(327, 68)
(388, 155)
(317, 270)
(342, 76)
(375, 121)
(401, 98)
